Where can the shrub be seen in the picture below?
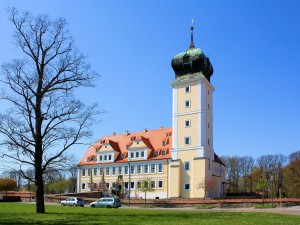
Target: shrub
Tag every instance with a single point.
(202, 206)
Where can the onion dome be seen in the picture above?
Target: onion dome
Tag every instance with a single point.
(192, 61)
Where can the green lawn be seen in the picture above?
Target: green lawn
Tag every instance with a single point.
(22, 213)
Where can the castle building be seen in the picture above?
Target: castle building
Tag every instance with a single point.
(180, 161)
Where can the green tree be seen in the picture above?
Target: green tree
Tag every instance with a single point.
(7, 184)
(146, 185)
(45, 120)
(58, 186)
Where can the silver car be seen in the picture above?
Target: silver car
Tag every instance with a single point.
(73, 201)
(106, 203)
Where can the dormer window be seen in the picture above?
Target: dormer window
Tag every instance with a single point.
(122, 156)
(163, 153)
(88, 159)
(137, 154)
(95, 159)
(105, 146)
(164, 143)
(137, 142)
(156, 153)
(132, 138)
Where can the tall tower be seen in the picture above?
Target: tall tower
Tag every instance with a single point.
(192, 151)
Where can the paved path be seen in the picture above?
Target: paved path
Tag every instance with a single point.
(294, 210)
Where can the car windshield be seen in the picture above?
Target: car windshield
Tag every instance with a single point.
(79, 199)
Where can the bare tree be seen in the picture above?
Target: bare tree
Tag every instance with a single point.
(45, 119)
(247, 165)
(207, 185)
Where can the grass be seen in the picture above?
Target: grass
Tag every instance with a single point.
(22, 213)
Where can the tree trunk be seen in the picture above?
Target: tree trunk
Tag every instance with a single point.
(145, 196)
(40, 206)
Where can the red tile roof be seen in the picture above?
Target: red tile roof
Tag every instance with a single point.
(151, 138)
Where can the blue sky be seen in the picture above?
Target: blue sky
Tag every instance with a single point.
(253, 47)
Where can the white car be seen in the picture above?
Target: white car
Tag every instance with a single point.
(106, 203)
(73, 201)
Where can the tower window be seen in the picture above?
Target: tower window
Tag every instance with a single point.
(187, 186)
(208, 92)
(208, 125)
(187, 123)
(186, 165)
(187, 89)
(208, 106)
(187, 140)
(208, 141)
(187, 103)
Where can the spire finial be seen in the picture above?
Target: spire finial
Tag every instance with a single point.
(192, 35)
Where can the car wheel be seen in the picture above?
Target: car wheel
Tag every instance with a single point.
(93, 205)
(62, 204)
(74, 205)
(108, 206)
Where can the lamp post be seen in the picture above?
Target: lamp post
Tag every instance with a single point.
(271, 179)
(129, 185)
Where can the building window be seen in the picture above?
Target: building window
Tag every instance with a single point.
(132, 155)
(152, 168)
(187, 140)
(187, 123)
(107, 185)
(132, 185)
(208, 92)
(120, 170)
(95, 171)
(208, 106)
(187, 89)
(186, 165)
(105, 157)
(122, 156)
(146, 168)
(160, 184)
(208, 141)
(132, 169)
(109, 157)
(164, 143)
(139, 169)
(89, 172)
(114, 171)
(137, 142)
(187, 103)
(83, 185)
(101, 171)
(152, 184)
(160, 167)
(126, 170)
(156, 153)
(163, 153)
(100, 157)
(126, 185)
(208, 125)
(187, 186)
(107, 171)
(142, 154)
(137, 154)
(209, 163)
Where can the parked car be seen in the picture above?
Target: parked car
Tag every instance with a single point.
(73, 201)
(106, 203)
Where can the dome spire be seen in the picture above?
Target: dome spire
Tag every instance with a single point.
(192, 35)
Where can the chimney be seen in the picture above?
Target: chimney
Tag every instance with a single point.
(145, 130)
(126, 133)
(161, 127)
